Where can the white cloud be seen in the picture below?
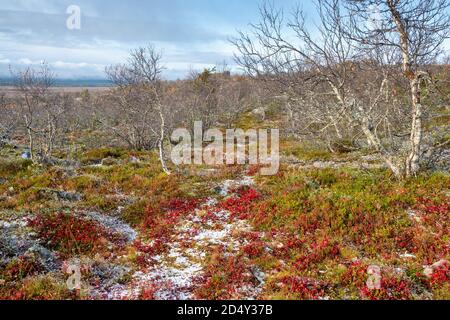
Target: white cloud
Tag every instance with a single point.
(4, 60)
(28, 62)
(68, 65)
(43, 6)
(77, 65)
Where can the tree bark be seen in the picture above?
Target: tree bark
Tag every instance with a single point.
(413, 160)
(376, 143)
(412, 165)
(161, 142)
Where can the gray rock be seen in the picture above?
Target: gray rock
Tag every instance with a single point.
(26, 155)
(258, 274)
(259, 113)
(109, 274)
(61, 195)
(109, 162)
(16, 242)
(291, 159)
(115, 225)
(134, 160)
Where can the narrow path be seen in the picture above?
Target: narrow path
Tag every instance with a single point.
(173, 274)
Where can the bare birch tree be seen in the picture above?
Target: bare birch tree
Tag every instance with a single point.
(320, 69)
(41, 110)
(417, 30)
(140, 96)
(8, 120)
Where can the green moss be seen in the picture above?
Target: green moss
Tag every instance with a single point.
(135, 213)
(96, 155)
(45, 288)
(102, 202)
(365, 213)
(10, 168)
(83, 183)
(305, 151)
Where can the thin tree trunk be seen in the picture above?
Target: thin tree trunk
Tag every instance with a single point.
(412, 162)
(161, 142)
(30, 138)
(376, 143)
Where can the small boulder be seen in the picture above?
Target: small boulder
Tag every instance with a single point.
(109, 161)
(26, 155)
(60, 194)
(259, 113)
(69, 196)
(133, 159)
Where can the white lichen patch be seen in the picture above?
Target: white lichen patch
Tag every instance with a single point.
(173, 274)
(114, 225)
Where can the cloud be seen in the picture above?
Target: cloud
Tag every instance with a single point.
(28, 62)
(44, 6)
(37, 27)
(69, 65)
(192, 34)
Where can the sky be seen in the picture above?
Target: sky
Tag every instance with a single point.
(192, 34)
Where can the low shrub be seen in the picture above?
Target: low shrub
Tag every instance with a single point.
(69, 235)
(96, 155)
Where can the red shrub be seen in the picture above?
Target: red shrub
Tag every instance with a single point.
(242, 204)
(68, 234)
(162, 218)
(21, 268)
(440, 275)
(148, 293)
(223, 278)
(179, 207)
(320, 251)
(159, 223)
(147, 251)
(391, 289)
(305, 288)
(430, 207)
(253, 170)
(356, 274)
(254, 249)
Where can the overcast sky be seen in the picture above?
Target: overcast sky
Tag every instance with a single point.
(193, 34)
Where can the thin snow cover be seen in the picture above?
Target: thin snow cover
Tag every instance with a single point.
(228, 185)
(115, 225)
(17, 240)
(407, 255)
(173, 274)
